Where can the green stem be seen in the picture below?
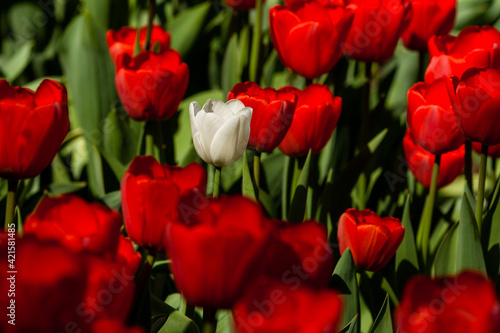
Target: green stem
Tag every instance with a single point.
(151, 16)
(366, 105)
(480, 186)
(149, 139)
(209, 321)
(10, 208)
(254, 57)
(421, 65)
(424, 229)
(217, 178)
(158, 134)
(468, 164)
(256, 168)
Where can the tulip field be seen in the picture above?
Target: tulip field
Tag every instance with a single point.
(250, 166)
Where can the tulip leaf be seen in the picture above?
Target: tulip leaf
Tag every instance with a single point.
(348, 176)
(187, 26)
(247, 189)
(70, 187)
(89, 71)
(383, 322)
(406, 255)
(113, 200)
(231, 70)
(444, 263)
(299, 194)
(470, 253)
(183, 142)
(491, 233)
(344, 280)
(119, 139)
(18, 62)
(167, 319)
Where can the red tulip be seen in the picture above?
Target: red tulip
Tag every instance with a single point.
(78, 225)
(127, 255)
(288, 3)
(123, 41)
(477, 104)
(46, 290)
(493, 151)
(315, 118)
(377, 26)
(421, 162)
(272, 113)
(431, 118)
(300, 253)
(113, 325)
(373, 240)
(32, 127)
(428, 18)
(151, 85)
(473, 47)
(308, 36)
(463, 303)
(154, 195)
(274, 306)
(214, 259)
(110, 289)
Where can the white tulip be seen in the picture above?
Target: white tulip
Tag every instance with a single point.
(220, 130)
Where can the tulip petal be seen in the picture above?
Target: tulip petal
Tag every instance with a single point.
(219, 108)
(230, 141)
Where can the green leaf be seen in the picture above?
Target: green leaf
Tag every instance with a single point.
(383, 322)
(491, 233)
(299, 199)
(18, 62)
(113, 200)
(406, 255)
(89, 71)
(62, 188)
(348, 176)
(470, 253)
(119, 139)
(167, 319)
(187, 26)
(344, 280)
(247, 189)
(231, 71)
(99, 9)
(444, 263)
(351, 327)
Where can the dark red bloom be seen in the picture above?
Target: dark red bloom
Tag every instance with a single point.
(218, 256)
(276, 306)
(428, 18)
(493, 151)
(308, 36)
(123, 41)
(315, 118)
(113, 325)
(299, 253)
(151, 85)
(421, 162)
(463, 303)
(431, 118)
(272, 113)
(32, 127)
(477, 104)
(78, 225)
(373, 240)
(377, 26)
(473, 47)
(47, 289)
(154, 195)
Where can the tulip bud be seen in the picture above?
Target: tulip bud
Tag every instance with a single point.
(373, 240)
(220, 130)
